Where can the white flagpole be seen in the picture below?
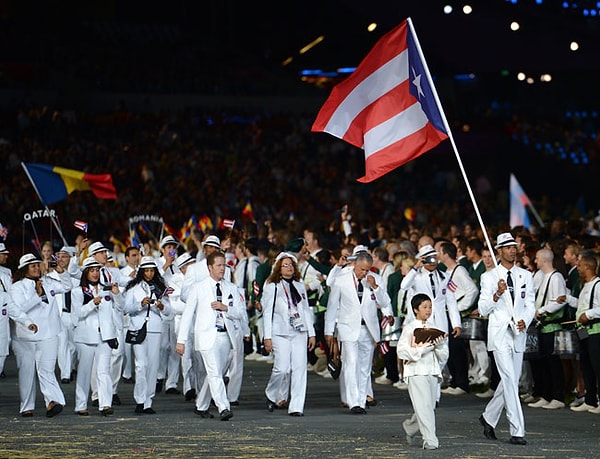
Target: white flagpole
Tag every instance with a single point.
(458, 159)
(535, 214)
(55, 223)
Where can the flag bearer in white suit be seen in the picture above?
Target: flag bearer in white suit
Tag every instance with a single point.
(289, 331)
(96, 335)
(214, 308)
(145, 299)
(508, 321)
(36, 353)
(357, 325)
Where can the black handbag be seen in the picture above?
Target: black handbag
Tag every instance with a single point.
(137, 336)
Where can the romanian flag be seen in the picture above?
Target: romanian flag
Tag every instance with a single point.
(54, 184)
(247, 211)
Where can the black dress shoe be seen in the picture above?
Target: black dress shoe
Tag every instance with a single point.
(358, 410)
(95, 403)
(190, 395)
(139, 408)
(297, 414)
(82, 413)
(149, 411)
(517, 441)
(159, 385)
(271, 405)
(488, 430)
(65, 381)
(27, 414)
(234, 403)
(107, 411)
(2, 375)
(116, 400)
(53, 409)
(173, 391)
(226, 415)
(371, 402)
(205, 414)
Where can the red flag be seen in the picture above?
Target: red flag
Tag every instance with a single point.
(385, 321)
(388, 106)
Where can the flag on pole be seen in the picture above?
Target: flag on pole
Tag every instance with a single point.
(81, 225)
(227, 223)
(3, 231)
(54, 184)
(247, 211)
(388, 106)
(518, 204)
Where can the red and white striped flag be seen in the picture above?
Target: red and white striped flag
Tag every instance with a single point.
(81, 225)
(388, 106)
(385, 321)
(384, 347)
(452, 286)
(228, 223)
(256, 288)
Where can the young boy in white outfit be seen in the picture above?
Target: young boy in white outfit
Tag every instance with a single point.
(423, 373)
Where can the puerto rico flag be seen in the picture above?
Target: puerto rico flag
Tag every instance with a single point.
(388, 106)
(452, 286)
(81, 225)
(227, 223)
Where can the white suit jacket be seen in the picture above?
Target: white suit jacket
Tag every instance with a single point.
(94, 324)
(344, 308)
(277, 321)
(444, 300)
(199, 313)
(137, 313)
(44, 315)
(501, 312)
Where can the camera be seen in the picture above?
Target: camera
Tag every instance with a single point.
(152, 301)
(52, 264)
(430, 260)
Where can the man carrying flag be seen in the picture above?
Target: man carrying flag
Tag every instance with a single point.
(388, 106)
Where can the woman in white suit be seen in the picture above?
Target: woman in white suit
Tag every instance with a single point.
(289, 331)
(95, 336)
(36, 353)
(146, 300)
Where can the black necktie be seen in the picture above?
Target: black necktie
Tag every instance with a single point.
(219, 292)
(245, 281)
(360, 289)
(67, 306)
(432, 283)
(511, 287)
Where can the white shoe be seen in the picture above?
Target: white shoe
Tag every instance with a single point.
(594, 410)
(578, 401)
(487, 394)
(453, 391)
(583, 407)
(310, 367)
(383, 380)
(555, 405)
(528, 398)
(401, 384)
(539, 404)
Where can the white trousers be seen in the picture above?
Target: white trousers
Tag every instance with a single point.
(357, 360)
(507, 394)
(94, 364)
(66, 347)
(288, 375)
(37, 358)
(215, 362)
(422, 390)
(480, 369)
(146, 369)
(235, 371)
